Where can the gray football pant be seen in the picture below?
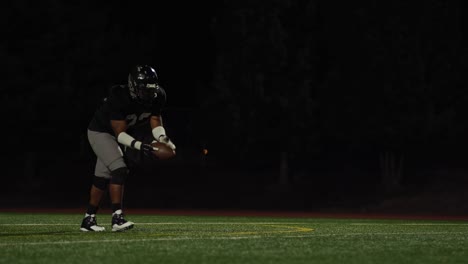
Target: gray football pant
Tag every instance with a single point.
(108, 152)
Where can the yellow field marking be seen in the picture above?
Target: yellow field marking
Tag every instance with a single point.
(219, 223)
(291, 229)
(272, 229)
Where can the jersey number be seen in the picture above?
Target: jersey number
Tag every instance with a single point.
(132, 119)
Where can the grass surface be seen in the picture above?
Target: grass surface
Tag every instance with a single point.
(55, 238)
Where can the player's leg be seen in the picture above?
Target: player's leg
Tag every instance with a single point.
(95, 198)
(116, 191)
(97, 191)
(109, 153)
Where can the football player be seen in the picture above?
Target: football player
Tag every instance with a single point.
(141, 100)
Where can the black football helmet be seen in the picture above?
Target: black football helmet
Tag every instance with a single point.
(143, 84)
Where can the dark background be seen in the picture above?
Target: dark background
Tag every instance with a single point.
(302, 105)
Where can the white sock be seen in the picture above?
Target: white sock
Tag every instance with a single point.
(117, 212)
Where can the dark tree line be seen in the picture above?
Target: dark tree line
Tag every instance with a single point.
(322, 83)
(374, 82)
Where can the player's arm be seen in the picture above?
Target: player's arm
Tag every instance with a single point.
(155, 121)
(159, 133)
(120, 128)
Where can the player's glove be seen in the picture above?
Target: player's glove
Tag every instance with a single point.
(147, 150)
(166, 140)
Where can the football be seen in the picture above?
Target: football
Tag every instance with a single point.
(163, 151)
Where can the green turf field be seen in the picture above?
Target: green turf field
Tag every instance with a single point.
(55, 238)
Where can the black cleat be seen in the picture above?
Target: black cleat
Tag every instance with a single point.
(90, 224)
(119, 223)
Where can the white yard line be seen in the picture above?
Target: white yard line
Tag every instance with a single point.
(248, 223)
(130, 240)
(215, 238)
(409, 224)
(168, 223)
(254, 235)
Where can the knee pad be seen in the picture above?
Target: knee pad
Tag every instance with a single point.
(100, 183)
(119, 175)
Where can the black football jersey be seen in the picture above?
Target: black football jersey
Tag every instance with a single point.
(118, 105)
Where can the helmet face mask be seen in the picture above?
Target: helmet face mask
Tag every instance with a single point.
(147, 94)
(143, 84)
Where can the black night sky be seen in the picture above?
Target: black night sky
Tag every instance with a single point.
(302, 105)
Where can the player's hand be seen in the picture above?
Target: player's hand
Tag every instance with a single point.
(147, 149)
(166, 140)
